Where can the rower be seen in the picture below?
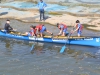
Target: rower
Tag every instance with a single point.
(32, 31)
(7, 26)
(41, 29)
(63, 29)
(79, 28)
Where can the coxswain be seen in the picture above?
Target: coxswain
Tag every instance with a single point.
(7, 27)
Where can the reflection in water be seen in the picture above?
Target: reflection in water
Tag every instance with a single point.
(45, 59)
(37, 48)
(8, 45)
(81, 52)
(77, 52)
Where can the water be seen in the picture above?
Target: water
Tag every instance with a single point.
(55, 7)
(92, 1)
(76, 9)
(17, 59)
(21, 4)
(30, 5)
(50, 7)
(24, 27)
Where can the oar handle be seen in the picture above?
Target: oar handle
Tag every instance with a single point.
(69, 35)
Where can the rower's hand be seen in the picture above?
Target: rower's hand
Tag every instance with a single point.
(38, 34)
(34, 36)
(58, 35)
(14, 29)
(51, 33)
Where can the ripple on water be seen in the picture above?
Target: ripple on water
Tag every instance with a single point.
(17, 59)
(21, 61)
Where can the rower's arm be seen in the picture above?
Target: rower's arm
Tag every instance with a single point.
(76, 29)
(37, 30)
(33, 34)
(10, 27)
(60, 32)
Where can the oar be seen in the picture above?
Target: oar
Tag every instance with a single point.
(63, 48)
(33, 44)
(32, 47)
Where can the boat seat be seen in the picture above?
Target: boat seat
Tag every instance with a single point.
(17, 33)
(64, 37)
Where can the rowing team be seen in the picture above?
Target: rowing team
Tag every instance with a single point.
(40, 29)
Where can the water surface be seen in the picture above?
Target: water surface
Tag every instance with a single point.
(17, 59)
(45, 59)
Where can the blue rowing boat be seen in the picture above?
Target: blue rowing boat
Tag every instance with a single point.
(87, 41)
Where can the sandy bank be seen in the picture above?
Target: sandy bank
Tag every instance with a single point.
(52, 17)
(33, 16)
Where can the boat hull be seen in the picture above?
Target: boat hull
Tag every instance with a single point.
(87, 41)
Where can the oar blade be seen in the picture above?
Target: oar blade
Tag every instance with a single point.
(32, 47)
(63, 49)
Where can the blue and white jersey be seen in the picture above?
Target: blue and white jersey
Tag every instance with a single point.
(41, 5)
